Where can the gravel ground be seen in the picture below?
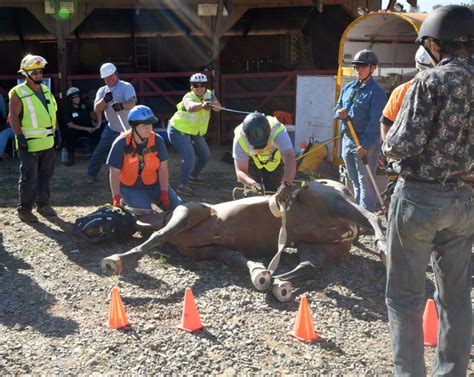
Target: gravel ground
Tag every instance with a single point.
(54, 301)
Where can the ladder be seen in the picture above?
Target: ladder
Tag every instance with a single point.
(142, 54)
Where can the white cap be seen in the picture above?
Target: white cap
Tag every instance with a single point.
(107, 69)
(422, 59)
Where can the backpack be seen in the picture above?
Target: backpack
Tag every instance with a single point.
(105, 224)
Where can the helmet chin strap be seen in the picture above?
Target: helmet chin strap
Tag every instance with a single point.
(134, 130)
(431, 55)
(37, 82)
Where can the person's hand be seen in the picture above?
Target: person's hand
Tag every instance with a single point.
(57, 140)
(205, 105)
(90, 130)
(361, 151)
(165, 200)
(283, 194)
(342, 114)
(117, 201)
(117, 106)
(257, 187)
(22, 144)
(108, 97)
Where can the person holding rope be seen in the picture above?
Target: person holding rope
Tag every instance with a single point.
(138, 164)
(115, 98)
(187, 127)
(432, 209)
(362, 102)
(264, 158)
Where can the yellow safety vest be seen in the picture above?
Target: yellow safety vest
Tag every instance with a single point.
(269, 157)
(37, 123)
(191, 123)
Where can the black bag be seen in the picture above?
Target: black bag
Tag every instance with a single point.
(106, 224)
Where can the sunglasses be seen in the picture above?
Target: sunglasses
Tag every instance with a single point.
(36, 72)
(199, 85)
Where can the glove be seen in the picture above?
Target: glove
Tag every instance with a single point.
(205, 105)
(117, 201)
(257, 187)
(108, 97)
(117, 106)
(165, 200)
(283, 194)
(22, 144)
(209, 96)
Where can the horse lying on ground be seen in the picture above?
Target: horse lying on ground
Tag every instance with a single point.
(321, 222)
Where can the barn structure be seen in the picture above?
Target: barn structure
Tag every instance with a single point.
(252, 50)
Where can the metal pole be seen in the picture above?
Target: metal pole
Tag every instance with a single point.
(366, 163)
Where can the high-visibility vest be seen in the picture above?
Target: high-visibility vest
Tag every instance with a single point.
(191, 123)
(37, 122)
(131, 161)
(269, 157)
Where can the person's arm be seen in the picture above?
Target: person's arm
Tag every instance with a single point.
(114, 180)
(289, 170)
(163, 175)
(15, 108)
(340, 112)
(411, 129)
(130, 103)
(102, 98)
(193, 107)
(242, 172)
(79, 128)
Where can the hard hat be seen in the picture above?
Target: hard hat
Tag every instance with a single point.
(107, 69)
(141, 114)
(365, 57)
(451, 23)
(422, 59)
(198, 77)
(31, 62)
(257, 129)
(72, 90)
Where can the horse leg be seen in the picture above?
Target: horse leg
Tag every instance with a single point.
(183, 217)
(260, 276)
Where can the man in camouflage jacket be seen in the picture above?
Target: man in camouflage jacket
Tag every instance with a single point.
(432, 209)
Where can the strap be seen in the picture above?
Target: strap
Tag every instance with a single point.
(29, 104)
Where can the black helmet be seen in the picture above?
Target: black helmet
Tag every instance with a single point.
(365, 57)
(451, 23)
(257, 129)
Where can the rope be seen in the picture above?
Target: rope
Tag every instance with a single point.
(324, 143)
(229, 110)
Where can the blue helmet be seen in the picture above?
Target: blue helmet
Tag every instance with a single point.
(141, 115)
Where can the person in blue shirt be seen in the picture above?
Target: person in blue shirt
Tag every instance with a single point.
(6, 131)
(362, 101)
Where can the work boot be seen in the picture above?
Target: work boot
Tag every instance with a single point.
(27, 216)
(46, 211)
(185, 190)
(91, 179)
(197, 180)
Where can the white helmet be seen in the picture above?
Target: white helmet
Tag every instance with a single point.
(422, 59)
(31, 62)
(72, 90)
(107, 69)
(198, 77)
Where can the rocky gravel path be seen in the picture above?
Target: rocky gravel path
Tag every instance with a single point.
(54, 302)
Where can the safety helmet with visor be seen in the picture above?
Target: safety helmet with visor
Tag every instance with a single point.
(257, 129)
(141, 114)
(31, 62)
(72, 91)
(107, 69)
(198, 78)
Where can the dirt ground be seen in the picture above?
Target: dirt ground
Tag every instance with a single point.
(54, 299)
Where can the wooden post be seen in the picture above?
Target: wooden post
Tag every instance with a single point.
(216, 61)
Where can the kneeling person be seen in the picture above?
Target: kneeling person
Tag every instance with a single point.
(263, 153)
(138, 163)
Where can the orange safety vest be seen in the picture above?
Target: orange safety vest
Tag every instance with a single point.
(131, 159)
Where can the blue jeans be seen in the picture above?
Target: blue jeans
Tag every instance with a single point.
(142, 198)
(188, 146)
(430, 220)
(6, 134)
(364, 191)
(101, 151)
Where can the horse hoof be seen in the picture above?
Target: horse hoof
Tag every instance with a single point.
(282, 290)
(261, 278)
(112, 265)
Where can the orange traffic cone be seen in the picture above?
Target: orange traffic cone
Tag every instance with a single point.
(430, 324)
(117, 315)
(304, 330)
(190, 320)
